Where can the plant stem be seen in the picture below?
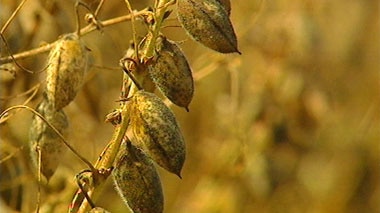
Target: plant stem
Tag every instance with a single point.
(106, 161)
(85, 30)
(158, 18)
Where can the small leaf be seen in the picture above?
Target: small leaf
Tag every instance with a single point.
(154, 129)
(137, 181)
(45, 139)
(207, 22)
(67, 65)
(172, 74)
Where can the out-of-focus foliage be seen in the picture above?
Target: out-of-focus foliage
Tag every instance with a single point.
(291, 125)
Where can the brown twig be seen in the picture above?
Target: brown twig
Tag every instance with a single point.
(12, 16)
(85, 30)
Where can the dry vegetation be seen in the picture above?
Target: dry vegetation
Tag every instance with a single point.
(291, 125)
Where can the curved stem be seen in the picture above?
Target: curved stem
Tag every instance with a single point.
(5, 113)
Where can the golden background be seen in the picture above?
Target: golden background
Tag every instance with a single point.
(291, 125)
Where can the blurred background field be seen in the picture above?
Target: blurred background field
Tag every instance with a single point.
(291, 125)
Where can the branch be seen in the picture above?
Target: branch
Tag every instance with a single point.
(85, 30)
(107, 158)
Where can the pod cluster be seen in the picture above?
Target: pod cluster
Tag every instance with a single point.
(67, 63)
(153, 132)
(154, 136)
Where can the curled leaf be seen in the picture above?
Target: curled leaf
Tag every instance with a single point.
(172, 74)
(45, 141)
(67, 65)
(137, 181)
(207, 22)
(154, 129)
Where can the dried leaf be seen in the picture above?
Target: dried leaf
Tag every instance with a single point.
(44, 138)
(207, 22)
(67, 65)
(137, 181)
(172, 74)
(154, 129)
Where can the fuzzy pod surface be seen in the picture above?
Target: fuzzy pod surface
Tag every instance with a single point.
(137, 181)
(207, 22)
(67, 64)
(172, 74)
(155, 130)
(44, 141)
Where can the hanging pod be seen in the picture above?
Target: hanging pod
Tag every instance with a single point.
(207, 22)
(137, 181)
(171, 73)
(154, 128)
(44, 141)
(67, 64)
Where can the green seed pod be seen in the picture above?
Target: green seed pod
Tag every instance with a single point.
(45, 139)
(137, 181)
(207, 22)
(155, 130)
(67, 64)
(172, 74)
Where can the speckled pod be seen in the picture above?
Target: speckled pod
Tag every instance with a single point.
(42, 136)
(172, 74)
(137, 181)
(67, 64)
(155, 130)
(207, 22)
(226, 5)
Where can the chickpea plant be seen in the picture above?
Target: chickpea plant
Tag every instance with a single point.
(146, 130)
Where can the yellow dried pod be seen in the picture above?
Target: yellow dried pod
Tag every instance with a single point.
(207, 22)
(67, 64)
(172, 74)
(45, 141)
(155, 130)
(137, 181)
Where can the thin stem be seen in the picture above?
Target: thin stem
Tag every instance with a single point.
(85, 30)
(99, 7)
(160, 10)
(11, 55)
(31, 90)
(34, 90)
(78, 19)
(92, 204)
(12, 16)
(38, 150)
(108, 157)
(5, 113)
(130, 75)
(11, 155)
(134, 34)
